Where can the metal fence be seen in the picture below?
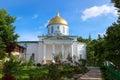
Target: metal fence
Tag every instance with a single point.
(112, 70)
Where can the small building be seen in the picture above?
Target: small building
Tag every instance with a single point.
(56, 41)
(17, 50)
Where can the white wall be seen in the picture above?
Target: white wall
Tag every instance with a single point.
(30, 48)
(82, 50)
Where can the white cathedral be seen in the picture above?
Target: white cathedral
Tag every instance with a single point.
(56, 41)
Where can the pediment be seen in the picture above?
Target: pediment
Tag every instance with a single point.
(58, 38)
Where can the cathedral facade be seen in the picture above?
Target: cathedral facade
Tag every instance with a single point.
(57, 41)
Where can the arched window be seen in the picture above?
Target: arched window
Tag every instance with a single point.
(52, 29)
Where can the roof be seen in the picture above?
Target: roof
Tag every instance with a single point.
(57, 20)
(58, 38)
(28, 41)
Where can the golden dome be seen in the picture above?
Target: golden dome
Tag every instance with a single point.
(57, 20)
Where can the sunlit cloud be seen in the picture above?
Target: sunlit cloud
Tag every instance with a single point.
(19, 18)
(97, 11)
(45, 25)
(35, 16)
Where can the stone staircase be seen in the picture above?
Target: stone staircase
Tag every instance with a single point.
(93, 74)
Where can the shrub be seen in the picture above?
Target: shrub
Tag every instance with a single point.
(8, 77)
(105, 74)
(42, 77)
(1, 66)
(54, 72)
(38, 64)
(58, 58)
(83, 62)
(11, 66)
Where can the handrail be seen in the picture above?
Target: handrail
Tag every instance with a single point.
(112, 70)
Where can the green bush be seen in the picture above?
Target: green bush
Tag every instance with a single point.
(42, 77)
(38, 65)
(11, 66)
(83, 62)
(8, 77)
(54, 72)
(105, 74)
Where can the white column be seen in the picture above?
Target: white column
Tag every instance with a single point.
(53, 48)
(62, 47)
(77, 55)
(85, 55)
(53, 52)
(44, 53)
(72, 51)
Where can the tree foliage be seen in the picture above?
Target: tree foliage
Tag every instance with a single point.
(7, 34)
(112, 39)
(95, 50)
(112, 42)
(116, 4)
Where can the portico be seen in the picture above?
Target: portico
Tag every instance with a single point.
(57, 47)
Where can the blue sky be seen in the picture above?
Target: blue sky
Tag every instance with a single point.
(83, 16)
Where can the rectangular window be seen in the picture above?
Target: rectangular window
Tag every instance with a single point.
(57, 27)
(63, 29)
(48, 30)
(52, 29)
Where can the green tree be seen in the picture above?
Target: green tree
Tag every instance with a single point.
(95, 50)
(112, 39)
(99, 49)
(91, 58)
(2, 48)
(117, 4)
(91, 53)
(7, 34)
(7, 42)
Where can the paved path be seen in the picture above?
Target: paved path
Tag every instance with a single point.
(92, 74)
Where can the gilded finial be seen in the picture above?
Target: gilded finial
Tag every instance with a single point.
(58, 13)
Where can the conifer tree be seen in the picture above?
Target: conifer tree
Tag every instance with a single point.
(7, 31)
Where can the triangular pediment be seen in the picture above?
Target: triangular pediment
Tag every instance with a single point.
(58, 38)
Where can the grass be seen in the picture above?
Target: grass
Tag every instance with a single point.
(1, 75)
(26, 71)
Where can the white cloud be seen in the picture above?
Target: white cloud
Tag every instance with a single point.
(42, 28)
(97, 11)
(45, 25)
(18, 18)
(101, 34)
(35, 16)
